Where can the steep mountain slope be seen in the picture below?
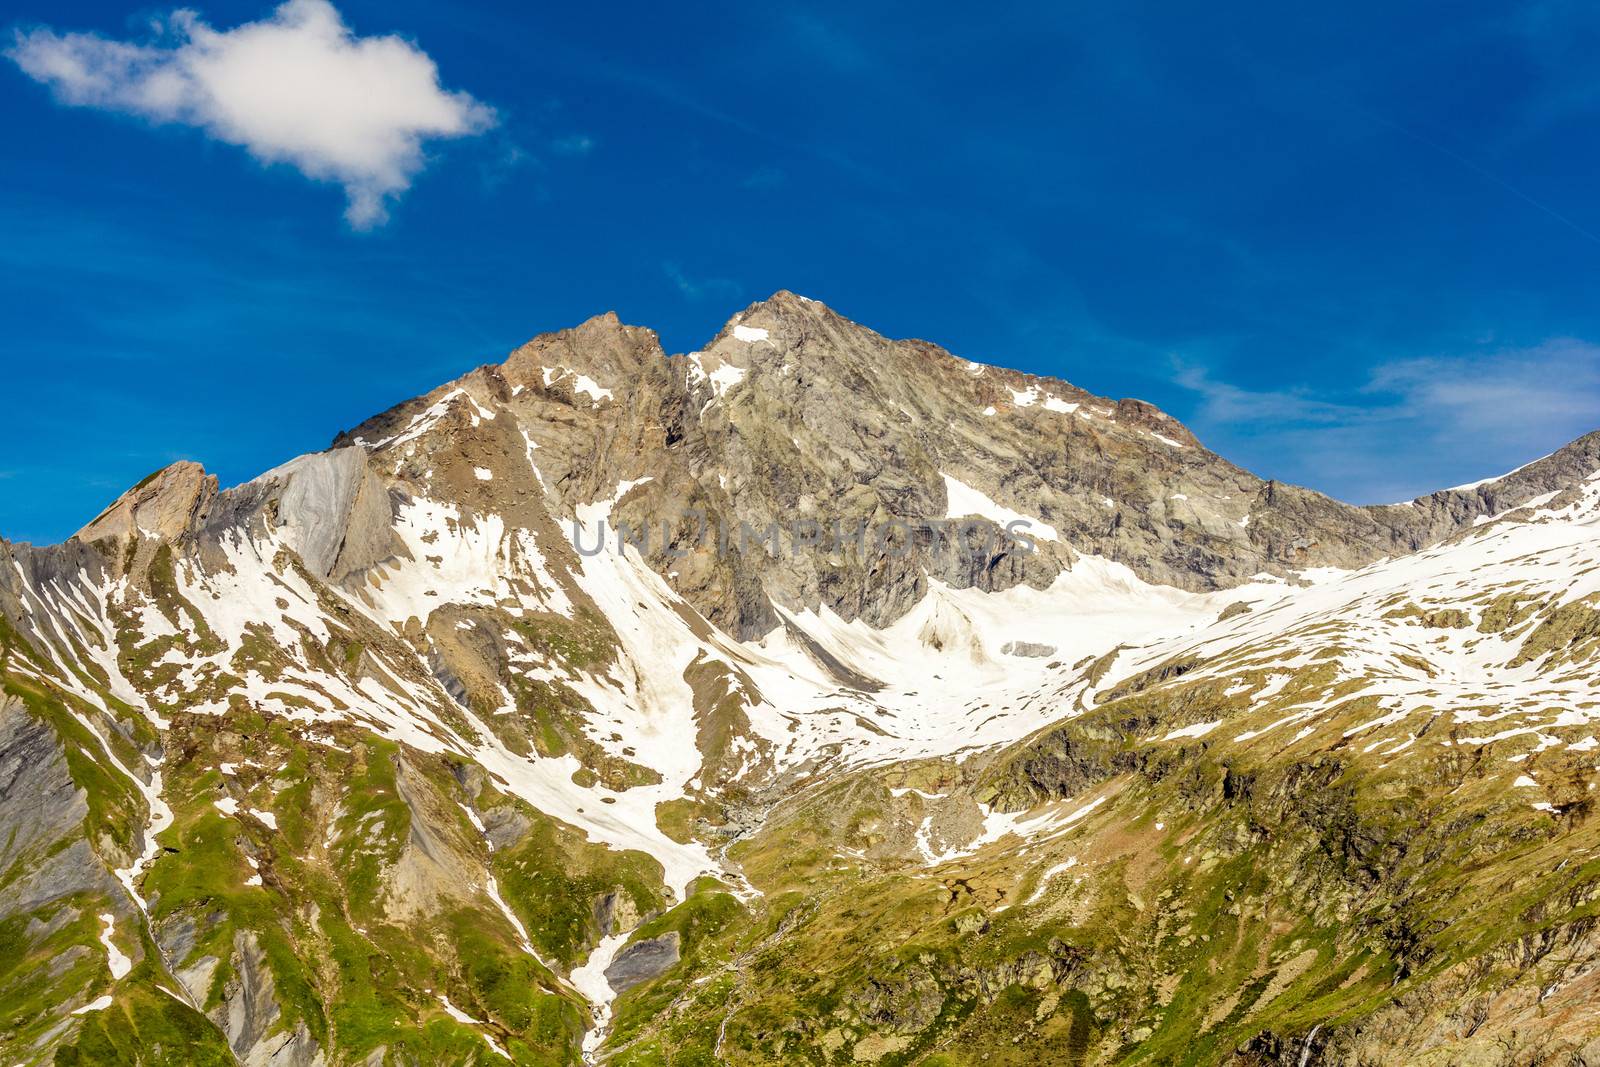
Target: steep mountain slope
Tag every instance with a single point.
(1351, 825)
(812, 696)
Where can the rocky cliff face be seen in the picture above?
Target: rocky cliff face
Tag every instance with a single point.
(794, 415)
(811, 697)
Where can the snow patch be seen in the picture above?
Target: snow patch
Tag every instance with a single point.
(726, 377)
(581, 383)
(119, 964)
(1044, 879)
(590, 980)
(963, 501)
(100, 1003)
(1492, 478)
(1199, 729)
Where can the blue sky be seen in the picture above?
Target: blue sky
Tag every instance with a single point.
(1354, 246)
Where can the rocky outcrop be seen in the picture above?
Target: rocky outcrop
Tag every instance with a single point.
(331, 508)
(249, 1014)
(163, 505)
(615, 911)
(44, 853)
(432, 869)
(642, 961)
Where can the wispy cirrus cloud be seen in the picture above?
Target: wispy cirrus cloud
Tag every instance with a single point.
(296, 87)
(574, 144)
(1413, 425)
(700, 288)
(1515, 396)
(1224, 403)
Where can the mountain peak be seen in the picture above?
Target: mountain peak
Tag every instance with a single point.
(602, 347)
(788, 300)
(163, 504)
(792, 325)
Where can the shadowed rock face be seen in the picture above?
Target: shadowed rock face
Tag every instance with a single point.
(642, 961)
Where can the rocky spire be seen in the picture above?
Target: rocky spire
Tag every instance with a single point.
(163, 505)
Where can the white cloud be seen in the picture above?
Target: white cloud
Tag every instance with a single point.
(297, 87)
(1516, 395)
(1414, 425)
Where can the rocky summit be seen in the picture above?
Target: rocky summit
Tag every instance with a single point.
(812, 698)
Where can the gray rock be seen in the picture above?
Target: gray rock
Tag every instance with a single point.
(504, 826)
(249, 1014)
(196, 977)
(642, 961)
(615, 911)
(329, 506)
(41, 807)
